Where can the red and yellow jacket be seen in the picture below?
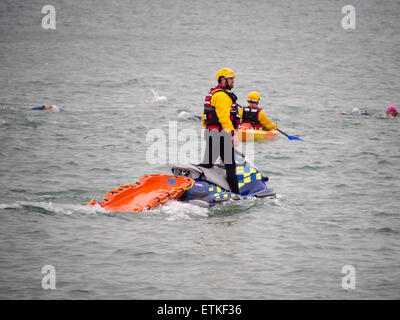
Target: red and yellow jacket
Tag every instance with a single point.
(220, 110)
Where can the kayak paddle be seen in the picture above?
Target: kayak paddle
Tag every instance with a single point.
(290, 137)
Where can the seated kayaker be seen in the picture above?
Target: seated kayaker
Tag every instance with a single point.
(391, 111)
(254, 115)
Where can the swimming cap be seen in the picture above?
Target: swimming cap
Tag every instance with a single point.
(392, 110)
(184, 115)
(355, 111)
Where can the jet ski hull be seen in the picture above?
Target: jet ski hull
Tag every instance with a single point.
(211, 188)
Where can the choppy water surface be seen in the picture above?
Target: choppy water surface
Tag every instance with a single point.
(338, 192)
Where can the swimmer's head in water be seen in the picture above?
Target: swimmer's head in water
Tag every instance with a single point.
(184, 115)
(356, 111)
(392, 110)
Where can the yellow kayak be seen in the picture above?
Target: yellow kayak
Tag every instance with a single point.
(256, 135)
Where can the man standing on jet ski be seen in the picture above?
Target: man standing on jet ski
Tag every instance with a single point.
(220, 118)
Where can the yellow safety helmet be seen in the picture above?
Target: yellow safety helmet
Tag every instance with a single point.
(225, 72)
(253, 97)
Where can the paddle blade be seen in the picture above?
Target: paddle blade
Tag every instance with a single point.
(290, 137)
(294, 138)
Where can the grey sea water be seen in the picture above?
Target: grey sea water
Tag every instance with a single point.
(337, 193)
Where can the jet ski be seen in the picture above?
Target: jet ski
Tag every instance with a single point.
(194, 184)
(211, 186)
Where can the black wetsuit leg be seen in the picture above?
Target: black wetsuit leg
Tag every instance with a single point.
(230, 164)
(210, 156)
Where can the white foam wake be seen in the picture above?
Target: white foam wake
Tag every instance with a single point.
(50, 207)
(178, 210)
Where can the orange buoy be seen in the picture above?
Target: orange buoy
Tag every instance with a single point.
(149, 192)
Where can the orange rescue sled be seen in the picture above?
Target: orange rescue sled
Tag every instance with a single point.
(149, 192)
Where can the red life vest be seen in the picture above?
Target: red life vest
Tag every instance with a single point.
(210, 115)
(234, 116)
(251, 115)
